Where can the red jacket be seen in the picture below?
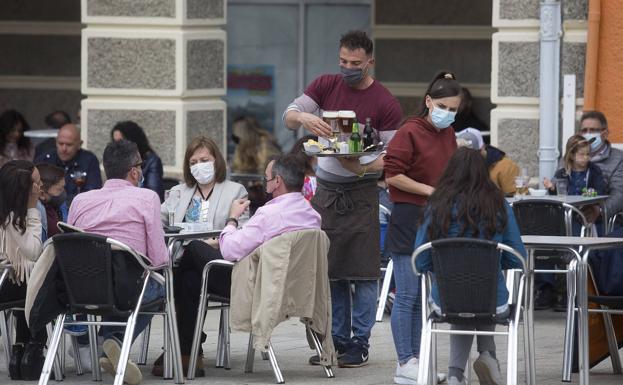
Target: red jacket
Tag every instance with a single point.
(421, 152)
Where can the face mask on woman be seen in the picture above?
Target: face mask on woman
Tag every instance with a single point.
(441, 118)
(203, 172)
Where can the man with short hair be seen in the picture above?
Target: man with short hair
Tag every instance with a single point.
(346, 195)
(70, 156)
(593, 124)
(287, 211)
(122, 211)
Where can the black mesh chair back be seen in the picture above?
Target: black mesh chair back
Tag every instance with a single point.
(466, 272)
(85, 262)
(540, 217)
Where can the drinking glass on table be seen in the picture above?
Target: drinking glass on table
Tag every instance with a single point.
(79, 178)
(172, 198)
(519, 186)
(561, 187)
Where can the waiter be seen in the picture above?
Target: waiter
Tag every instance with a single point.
(346, 196)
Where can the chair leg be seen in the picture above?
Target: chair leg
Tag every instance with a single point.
(76, 350)
(433, 361)
(173, 332)
(318, 346)
(226, 340)
(50, 357)
(248, 366)
(273, 362)
(167, 360)
(511, 365)
(387, 278)
(96, 372)
(194, 350)
(6, 338)
(142, 358)
(424, 364)
(612, 342)
(220, 344)
(63, 349)
(125, 348)
(58, 369)
(570, 324)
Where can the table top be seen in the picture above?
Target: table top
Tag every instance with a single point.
(593, 243)
(574, 200)
(46, 133)
(192, 235)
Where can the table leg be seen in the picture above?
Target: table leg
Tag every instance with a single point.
(605, 219)
(582, 320)
(529, 319)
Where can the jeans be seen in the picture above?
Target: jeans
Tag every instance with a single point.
(360, 319)
(153, 291)
(407, 310)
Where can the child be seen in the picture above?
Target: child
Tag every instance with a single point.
(580, 174)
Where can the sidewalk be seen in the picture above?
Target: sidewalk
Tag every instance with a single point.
(292, 353)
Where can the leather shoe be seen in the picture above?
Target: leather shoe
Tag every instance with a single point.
(158, 368)
(16, 360)
(32, 361)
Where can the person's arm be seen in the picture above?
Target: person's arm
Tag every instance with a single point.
(355, 166)
(398, 163)
(598, 182)
(29, 243)
(423, 261)
(236, 244)
(614, 203)
(156, 248)
(301, 113)
(404, 183)
(512, 238)
(94, 177)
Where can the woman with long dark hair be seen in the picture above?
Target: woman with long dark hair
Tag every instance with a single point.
(20, 246)
(13, 144)
(152, 165)
(468, 204)
(416, 157)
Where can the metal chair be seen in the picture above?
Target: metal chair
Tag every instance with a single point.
(85, 262)
(223, 356)
(555, 218)
(388, 272)
(466, 273)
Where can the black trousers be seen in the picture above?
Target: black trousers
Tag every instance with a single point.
(12, 292)
(187, 285)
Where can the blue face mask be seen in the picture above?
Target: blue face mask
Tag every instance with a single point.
(595, 144)
(442, 118)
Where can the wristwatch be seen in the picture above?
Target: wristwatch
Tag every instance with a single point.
(232, 219)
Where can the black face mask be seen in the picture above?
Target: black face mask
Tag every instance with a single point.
(235, 139)
(57, 201)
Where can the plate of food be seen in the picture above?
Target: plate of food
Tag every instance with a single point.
(313, 148)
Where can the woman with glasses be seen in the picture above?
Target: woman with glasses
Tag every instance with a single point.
(205, 196)
(20, 247)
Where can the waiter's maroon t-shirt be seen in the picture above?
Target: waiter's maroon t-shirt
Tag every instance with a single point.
(331, 93)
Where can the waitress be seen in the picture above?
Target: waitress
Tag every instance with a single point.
(415, 160)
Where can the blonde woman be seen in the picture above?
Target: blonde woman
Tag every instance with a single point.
(254, 146)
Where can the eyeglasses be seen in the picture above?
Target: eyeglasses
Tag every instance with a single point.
(266, 180)
(591, 130)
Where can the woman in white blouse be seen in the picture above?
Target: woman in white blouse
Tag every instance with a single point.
(205, 196)
(20, 247)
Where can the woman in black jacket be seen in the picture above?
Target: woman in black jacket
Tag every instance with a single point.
(152, 165)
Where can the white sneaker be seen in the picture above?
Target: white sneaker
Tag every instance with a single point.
(487, 369)
(112, 350)
(441, 378)
(454, 381)
(407, 373)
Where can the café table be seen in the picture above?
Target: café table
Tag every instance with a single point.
(580, 247)
(577, 201)
(41, 134)
(172, 239)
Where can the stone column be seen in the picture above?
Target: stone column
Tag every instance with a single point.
(515, 73)
(160, 63)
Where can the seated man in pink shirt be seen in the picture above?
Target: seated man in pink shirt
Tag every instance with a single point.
(287, 211)
(123, 211)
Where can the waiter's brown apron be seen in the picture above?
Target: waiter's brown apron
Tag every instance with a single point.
(350, 217)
